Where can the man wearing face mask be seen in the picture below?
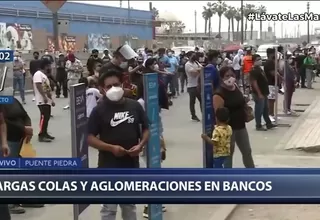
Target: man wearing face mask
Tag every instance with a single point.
(47, 56)
(61, 77)
(106, 56)
(94, 58)
(172, 76)
(18, 79)
(212, 66)
(123, 133)
(290, 81)
(74, 70)
(193, 70)
(34, 66)
(260, 92)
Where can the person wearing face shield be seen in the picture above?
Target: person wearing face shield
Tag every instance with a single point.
(229, 96)
(260, 92)
(93, 59)
(119, 63)
(120, 137)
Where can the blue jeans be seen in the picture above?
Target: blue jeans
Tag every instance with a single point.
(14, 148)
(261, 109)
(218, 162)
(18, 84)
(109, 211)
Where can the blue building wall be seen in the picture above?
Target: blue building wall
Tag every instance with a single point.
(82, 27)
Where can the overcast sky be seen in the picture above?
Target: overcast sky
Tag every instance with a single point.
(184, 10)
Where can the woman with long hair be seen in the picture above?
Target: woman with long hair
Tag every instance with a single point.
(229, 96)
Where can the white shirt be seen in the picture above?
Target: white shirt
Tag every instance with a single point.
(92, 95)
(192, 80)
(236, 62)
(142, 103)
(40, 77)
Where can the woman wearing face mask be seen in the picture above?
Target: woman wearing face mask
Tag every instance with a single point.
(229, 96)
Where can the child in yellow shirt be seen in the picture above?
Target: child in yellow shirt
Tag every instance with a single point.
(221, 138)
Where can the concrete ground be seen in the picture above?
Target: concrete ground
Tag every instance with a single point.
(279, 156)
(184, 150)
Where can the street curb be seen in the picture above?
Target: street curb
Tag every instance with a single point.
(224, 212)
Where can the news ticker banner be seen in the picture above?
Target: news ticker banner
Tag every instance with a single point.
(161, 186)
(40, 163)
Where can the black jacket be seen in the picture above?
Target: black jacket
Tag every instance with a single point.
(16, 119)
(91, 62)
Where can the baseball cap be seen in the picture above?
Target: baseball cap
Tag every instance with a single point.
(127, 52)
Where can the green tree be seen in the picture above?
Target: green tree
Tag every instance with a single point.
(248, 8)
(261, 10)
(238, 18)
(230, 14)
(207, 14)
(220, 8)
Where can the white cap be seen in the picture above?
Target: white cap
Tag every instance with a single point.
(127, 52)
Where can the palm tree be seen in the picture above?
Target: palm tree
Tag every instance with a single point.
(220, 7)
(238, 18)
(247, 9)
(155, 13)
(207, 16)
(229, 16)
(254, 10)
(262, 9)
(233, 12)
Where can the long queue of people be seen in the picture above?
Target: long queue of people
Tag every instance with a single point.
(115, 99)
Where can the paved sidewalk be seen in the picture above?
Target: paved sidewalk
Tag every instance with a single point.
(304, 135)
(303, 128)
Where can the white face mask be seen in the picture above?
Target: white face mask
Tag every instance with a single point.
(96, 73)
(148, 57)
(115, 93)
(46, 53)
(124, 65)
(15, 58)
(169, 54)
(219, 60)
(290, 61)
(156, 67)
(230, 82)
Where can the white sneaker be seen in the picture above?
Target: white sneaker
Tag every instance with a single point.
(34, 99)
(66, 107)
(272, 118)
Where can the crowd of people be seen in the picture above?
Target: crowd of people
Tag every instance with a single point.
(115, 100)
